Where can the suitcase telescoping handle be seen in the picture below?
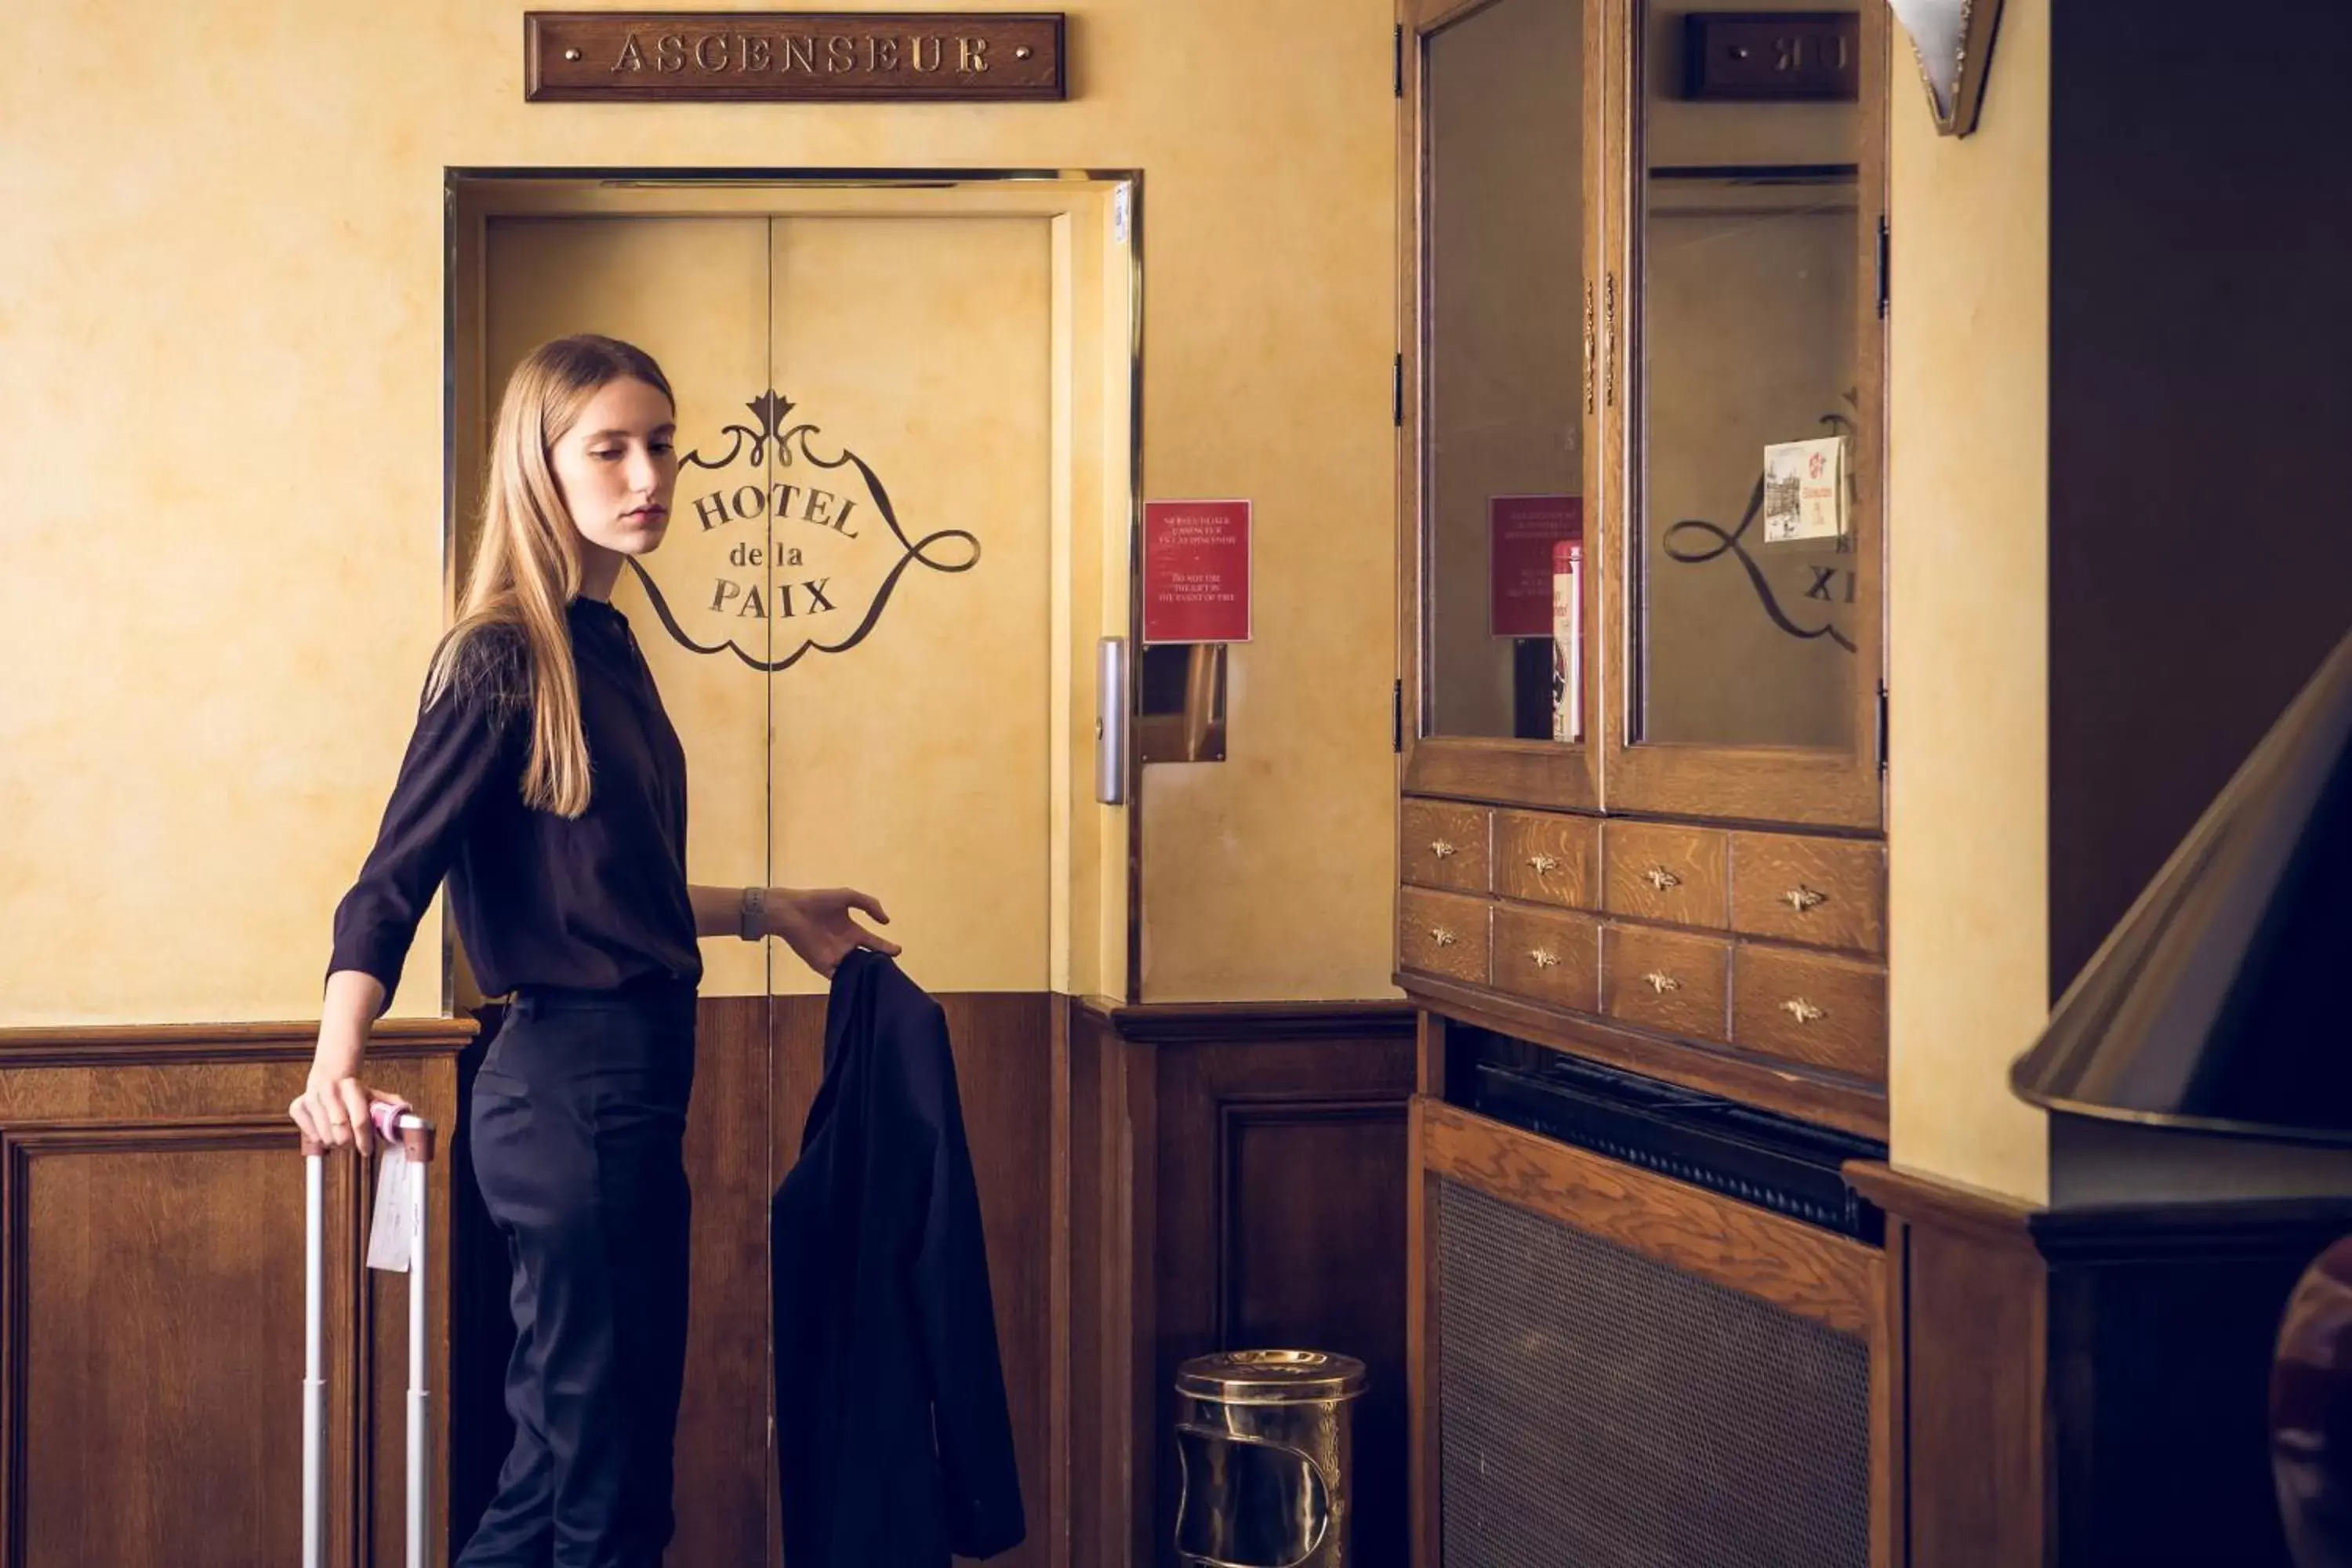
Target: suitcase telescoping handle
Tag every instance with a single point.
(414, 1135)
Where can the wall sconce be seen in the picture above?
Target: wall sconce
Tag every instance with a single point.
(1953, 39)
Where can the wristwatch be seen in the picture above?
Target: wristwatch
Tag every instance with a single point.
(752, 920)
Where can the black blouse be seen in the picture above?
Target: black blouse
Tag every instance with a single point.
(540, 899)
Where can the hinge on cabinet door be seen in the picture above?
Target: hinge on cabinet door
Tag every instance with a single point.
(1885, 267)
(1396, 720)
(1882, 726)
(1396, 393)
(1400, 60)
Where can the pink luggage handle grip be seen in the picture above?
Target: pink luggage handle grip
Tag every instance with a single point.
(393, 1125)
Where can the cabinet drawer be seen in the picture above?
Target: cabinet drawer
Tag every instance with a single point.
(1549, 957)
(1548, 857)
(1824, 891)
(1805, 1007)
(1662, 872)
(1443, 845)
(1443, 935)
(1665, 980)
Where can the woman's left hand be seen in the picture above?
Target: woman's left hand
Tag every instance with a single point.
(815, 923)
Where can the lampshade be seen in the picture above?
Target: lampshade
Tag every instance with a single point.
(2223, 999)
(1953, 39)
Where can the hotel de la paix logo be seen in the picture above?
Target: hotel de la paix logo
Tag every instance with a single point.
(782, 545)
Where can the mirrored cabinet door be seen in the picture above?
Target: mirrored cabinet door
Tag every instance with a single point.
(1743, 282)
(1501, 399)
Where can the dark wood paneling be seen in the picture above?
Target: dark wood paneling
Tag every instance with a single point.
(2086, 1388)
(1163, 1023)
(1976, 1430)
(218, 1045)
(724, 1474)
(1291, 1231)
(115, 1232)
(2197, 570)
(1142, 1263)
(1005, 1066)
(1964, 1326)
(1254, 1245)
(2162, 1326)
(723, 1465)
(150, 1298)
(1101, 1298)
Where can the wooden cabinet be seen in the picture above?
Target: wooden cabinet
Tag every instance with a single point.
(1641, 539)
(153, 1271)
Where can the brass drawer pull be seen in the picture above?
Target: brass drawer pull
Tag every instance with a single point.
(1658, 877)
(1441, 937)
(1543, 960)
(1543, 865)
(1440, 847)
(1662, 982)
(1804, 900)
(1803, 1011)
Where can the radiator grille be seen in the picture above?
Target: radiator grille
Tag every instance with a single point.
(1599, 1410)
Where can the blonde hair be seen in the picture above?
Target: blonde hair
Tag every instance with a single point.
(526, 567)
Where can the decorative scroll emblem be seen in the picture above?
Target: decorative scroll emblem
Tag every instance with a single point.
(1831, 585)
(776, 549)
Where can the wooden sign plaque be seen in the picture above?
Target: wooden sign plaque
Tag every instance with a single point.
(1769, 57)
(792, 56)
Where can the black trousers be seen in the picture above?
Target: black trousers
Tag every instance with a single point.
(578, 1133)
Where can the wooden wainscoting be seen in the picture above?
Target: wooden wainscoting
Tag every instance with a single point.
(758, 1063)
(1008, 1055)
(1237, 1181)
(2086, 1387)
(1155, 1182)
(151, 1299)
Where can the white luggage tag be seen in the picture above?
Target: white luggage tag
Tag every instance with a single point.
(391, 1237)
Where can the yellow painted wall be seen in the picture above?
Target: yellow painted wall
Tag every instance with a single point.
(221, 367)
(1967, 619)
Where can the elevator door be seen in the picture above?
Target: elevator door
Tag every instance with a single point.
(850, 618)
(851, 621)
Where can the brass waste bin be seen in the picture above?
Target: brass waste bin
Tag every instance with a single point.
(1263, 1448)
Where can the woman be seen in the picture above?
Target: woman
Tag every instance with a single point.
(545, 781)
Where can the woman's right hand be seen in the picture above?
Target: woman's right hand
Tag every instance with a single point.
(332, 1108)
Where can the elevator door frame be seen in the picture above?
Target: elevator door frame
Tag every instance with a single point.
(1098, 210)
